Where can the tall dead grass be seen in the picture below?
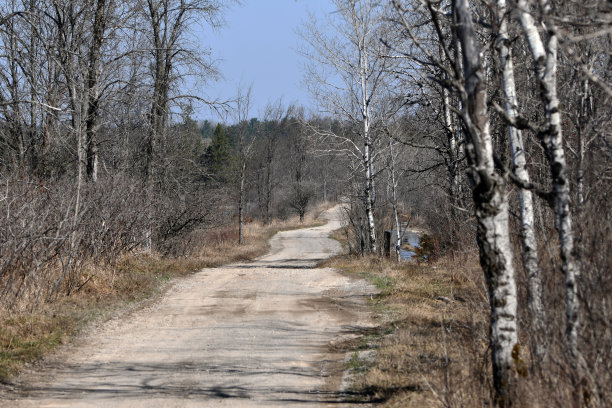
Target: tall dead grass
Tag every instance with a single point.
(432, 340)
(431, 344)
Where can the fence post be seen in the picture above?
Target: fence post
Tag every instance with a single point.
(387, 247)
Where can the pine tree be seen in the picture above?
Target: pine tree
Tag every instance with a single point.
(207, 130)
(219, 156)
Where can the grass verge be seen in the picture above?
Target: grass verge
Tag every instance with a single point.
(27, 335)
(429, 342)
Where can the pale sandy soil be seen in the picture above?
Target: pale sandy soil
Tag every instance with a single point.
(243, 335)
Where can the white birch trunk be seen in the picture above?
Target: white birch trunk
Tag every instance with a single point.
(529, 244)
(367, 148)
(545, 60)
(452, 144)
(491, 209)
(398, 234)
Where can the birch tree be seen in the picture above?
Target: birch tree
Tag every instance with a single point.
(551, 137)
(525, 196)
(545, 56)
(428, 68)
(347, 75)
(393, 183)
(467, 77)
(491, 209)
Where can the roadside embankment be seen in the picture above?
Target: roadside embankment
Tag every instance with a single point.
(429, 346)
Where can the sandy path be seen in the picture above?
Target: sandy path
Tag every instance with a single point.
(243, 335)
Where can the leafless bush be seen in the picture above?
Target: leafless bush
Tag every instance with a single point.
(45, 245)
(177, 215)
(34, 231)
(301, 195)
(355, 227)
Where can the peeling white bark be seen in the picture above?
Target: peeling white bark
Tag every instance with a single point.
(529, 244)
(367, 148)
(491, 209)
(451, 131)
(393, 181)
(545, 59)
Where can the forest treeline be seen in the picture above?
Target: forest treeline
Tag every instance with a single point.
(100, 155)
(487, 122)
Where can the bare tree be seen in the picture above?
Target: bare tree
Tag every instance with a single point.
(80, 31)
(92, 87)
(517, 149)
(244, 150)
(168, 22)
(394, 179)
(272, 131)
(352, 90)
(467, 77)
(301, 190)
(493, 233)
(76, 107)
(545, 58)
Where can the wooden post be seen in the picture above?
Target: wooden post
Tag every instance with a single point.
(387, 247)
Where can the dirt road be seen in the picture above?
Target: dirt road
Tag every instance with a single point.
(244, 335)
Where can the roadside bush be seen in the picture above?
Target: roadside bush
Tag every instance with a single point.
(429, 251)
(46, 241)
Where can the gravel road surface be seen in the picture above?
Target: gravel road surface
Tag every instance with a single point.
(244, 335)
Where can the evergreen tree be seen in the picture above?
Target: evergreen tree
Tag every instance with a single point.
(219, 156)
(207, 130)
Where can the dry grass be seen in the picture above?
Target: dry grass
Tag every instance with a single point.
(218, 247)
(431, 343)
(431, 347)
(26, 335)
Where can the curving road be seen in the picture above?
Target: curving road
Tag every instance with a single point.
(243, 335)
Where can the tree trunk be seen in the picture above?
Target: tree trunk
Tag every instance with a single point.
(586, 109)
(545, 60)
(367, 148)
(15, 120)
(241, 204)
(93, 91)
(325, 187)
(150, 155)
(491, 209)
(368, 197)
(529, 244)
(452, 145)
(398, 234)
(268, 187)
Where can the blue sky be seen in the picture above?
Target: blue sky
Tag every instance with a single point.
(258, 44)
